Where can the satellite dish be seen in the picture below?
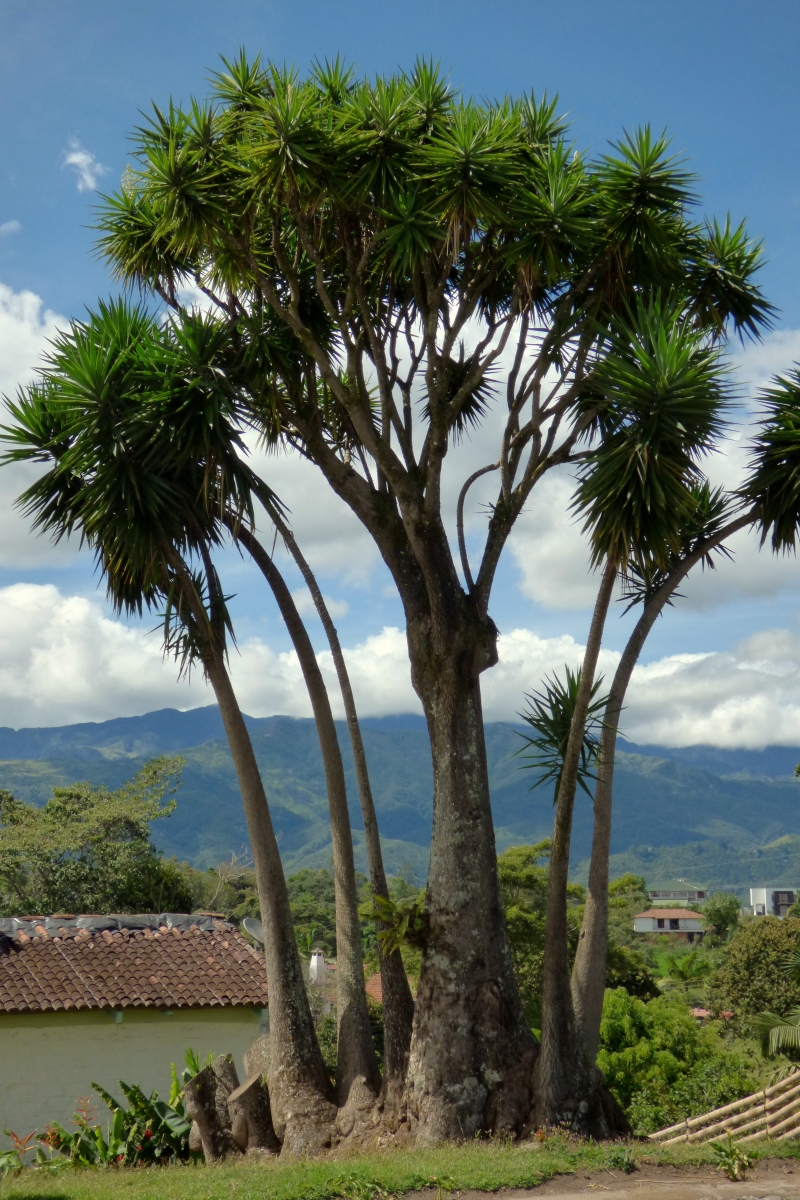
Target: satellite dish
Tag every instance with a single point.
(255, 929)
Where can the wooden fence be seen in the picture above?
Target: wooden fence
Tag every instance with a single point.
(773, 1113)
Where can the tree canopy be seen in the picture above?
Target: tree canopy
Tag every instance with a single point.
(88, 849)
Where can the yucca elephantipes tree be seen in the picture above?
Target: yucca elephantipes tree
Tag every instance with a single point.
(419, 258)
(202, 358)
(770, 499)
(660, 395)
(139, 433)
(711, 518)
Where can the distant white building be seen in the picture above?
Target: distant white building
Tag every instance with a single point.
(683, 925)
(318, 968)
(772, 902)
(680, 890)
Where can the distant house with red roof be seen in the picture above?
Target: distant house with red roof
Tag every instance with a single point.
(103, 998)
(681, 924)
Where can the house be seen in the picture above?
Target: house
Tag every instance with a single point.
(774, 902)
(683, 925)
(677, 890)
(102, 998)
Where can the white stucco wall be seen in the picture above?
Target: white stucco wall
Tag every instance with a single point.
(49, 1060)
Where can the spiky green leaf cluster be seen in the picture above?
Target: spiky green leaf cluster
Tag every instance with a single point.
(773, 484)
(549, 713)
(660, 395)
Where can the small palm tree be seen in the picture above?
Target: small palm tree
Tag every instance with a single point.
(687, 971)
(549, 714)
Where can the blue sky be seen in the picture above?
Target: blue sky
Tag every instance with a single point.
(721, 77)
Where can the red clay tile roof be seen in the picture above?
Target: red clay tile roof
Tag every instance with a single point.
(54, 967)
(374, 987)
(673, 913)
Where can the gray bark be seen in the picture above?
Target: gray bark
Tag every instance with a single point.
(355, 1056)
(205, 1098)
(472, 1053)
(565, 1087)
(298, 1084)
(589, 968)
(302, 1111)
(398, 1003)
(251, 1116)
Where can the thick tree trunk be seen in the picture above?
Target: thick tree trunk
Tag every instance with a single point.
(206, 1100)
(472, 1053)
(589, 968)
(355, 1056)
(566, 1088)
(251, 1117)
(298, 1086)
(398, 1003)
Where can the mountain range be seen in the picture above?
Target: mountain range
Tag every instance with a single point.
(724, 818)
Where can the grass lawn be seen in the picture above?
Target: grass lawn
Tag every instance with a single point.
(479, 1165)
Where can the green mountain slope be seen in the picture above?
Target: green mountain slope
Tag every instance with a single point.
(733, 820)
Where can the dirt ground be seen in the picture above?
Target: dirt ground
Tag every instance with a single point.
(768, 1180)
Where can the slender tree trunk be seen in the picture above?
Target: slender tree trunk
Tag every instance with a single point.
(398, 1003)
(589, 968)
(298, 1085)
(472, 1053)
(355, 1052)
(300, 1093)
(564, 1086)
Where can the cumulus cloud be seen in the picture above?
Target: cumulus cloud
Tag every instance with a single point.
(550, 550)
(332, 538)
(552, 553)
(10, 227)
(63, 659)
(26, 326)
(748, 696)
(86, 167)
(757, 362)
(305, 604)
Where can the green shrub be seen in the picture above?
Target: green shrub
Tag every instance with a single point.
(662, 1065)
(752, 978)
(628, 969)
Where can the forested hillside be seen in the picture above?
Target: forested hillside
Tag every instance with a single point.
(725, 816)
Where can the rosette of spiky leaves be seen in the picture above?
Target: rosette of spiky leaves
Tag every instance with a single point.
(708, 511)
(720, 284)
(661, 395)
(139, 425)
(773, 484)
(549, 713)
(399, 180)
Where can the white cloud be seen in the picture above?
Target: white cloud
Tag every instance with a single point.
(63, 659)
(331, 537)
(757, 362)
(85, 165)
(25, 329)
(305, 604)
(748, 696)
(550, 551)
(10, 227)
